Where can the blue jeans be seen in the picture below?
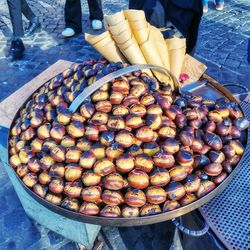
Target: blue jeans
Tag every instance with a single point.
(205, 2)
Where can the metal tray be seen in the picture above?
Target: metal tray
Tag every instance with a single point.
(208, 88)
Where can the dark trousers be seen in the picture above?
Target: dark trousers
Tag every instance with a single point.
(73, 13)
(16, 9)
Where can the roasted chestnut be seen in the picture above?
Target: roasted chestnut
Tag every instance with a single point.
(147, 100)
(92, 194)
(175, 190)
(70, 204)
(99, 151)
(116, 123)
(116, 98)
(205, 188)
(111, 197)
(170, 205)
(25, 154)
(215, 116)
(114, 151)
(163, 159)
(89, 208)
(186, 138)
(200, 161)
(150, 209)
(56, 185)
(125, 163)
(40, 190)
(84, 144)
(120, 110)
(138, 110)
(30, 179)
(121, 85)
(129, 212)
(185, 158)
(144, 162)
(87, 160)
(103, 106)
(241, 123)
(110, 211)
(155, 195)
(124, 138)
(219, 178)
(150, 148)
(167, 132)
(130, 100)
(56, 199)
(213, 140)
(144, 134)
(99, 96)
(63, 115)
(178, 173)
(237, 146)
(154, 110)
(187, 199)
(138, 179)
(213, 169)
(73, 172)
(67, 141)
(89, 178)
(216, 156)
(73, 154)
(227, 167)
(134, 121)
(87, 110)
(104, 167)
(75, 129)
(15, 161)
(192, 183)
(113, 181)
(36, 120)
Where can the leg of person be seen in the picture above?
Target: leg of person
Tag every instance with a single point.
(96, 14)
(28, 13)
(73, 18)
(219, 4)
(17, 48)
(205, 6)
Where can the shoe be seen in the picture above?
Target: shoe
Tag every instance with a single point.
(68, 32)
(219, 6)
(205, 8)
(96, 24)
(16, 49)
(34, 24)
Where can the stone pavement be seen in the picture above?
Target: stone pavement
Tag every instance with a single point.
(222, 47)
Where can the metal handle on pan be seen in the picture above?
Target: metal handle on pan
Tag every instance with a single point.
(194, 233)
(99, 83)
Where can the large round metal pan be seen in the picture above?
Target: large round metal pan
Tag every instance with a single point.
(208, 88)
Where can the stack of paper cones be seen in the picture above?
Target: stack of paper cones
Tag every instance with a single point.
(121, 33)
(105, 45)
(176, 50)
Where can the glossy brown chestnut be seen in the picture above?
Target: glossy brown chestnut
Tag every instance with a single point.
(186, 138)
(159, 177)
(40, 190)
(92, 194)
(150, 148)
(56, 199)
(22, 170)
(125, 163)
(138, 179)
(134, 121)
(213, 140)
(72, 189)
(15, 161)
(200, 161)
(120, 110)
(178, 173)
(150, 209)
(219, 179)
(237, 146)
(124, 138)
(67, 141)
(111, 197)
(110, 211)
(30, 179)
(84, 144)
(70, 204)
(175, 190)
(113, 181)
(89, 208)
(87, 110)
(213, 169)
(144, 162)
(129, 212)
(116, 97)
(92, 132)
(216, 156)
(87, 160)
(73, 172)
(170, 205)
(167, 132)
(25, 154)
(73, 154)
(192, 183)
(234, 133)
(185, 158)
(187, 199)
(116, 123)
(163, 159)
(103, 106)
(241, 123)
(215, 116)
(114, 151)
(155, 195)
(234, 160)
(135, 197)
(144, 134)
(75, 129)
(197, 145)
(205, 188)
(222, 129)
(138, 110)
(104, 167)
(180, 120)
(57, 132)
(210, 127)
(227, 167)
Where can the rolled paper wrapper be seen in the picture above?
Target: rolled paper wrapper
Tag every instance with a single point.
(141, 35)
(127, 43)
(114, 19)
(176, 52)
(137, 25)
(92, 39)
(134, 15)
(119, 28)
(123, 37)
(161, 46)
(107, 48)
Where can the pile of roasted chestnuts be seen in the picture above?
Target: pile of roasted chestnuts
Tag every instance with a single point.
(133, 148)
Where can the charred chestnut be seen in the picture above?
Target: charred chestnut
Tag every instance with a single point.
(175, 190)
(89, 208)
(155, 195)
(125, 163)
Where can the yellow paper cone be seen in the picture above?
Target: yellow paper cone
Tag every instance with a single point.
(115, 18)
(123, 37)
(176, 51)
(134, 15)
(141, 35)
(160, 45)
(137, 25)
(119, 28)
(92, 39)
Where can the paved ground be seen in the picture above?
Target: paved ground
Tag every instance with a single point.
(222, 46)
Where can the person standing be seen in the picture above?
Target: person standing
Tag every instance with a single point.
(73, 16)
(16, 9)
(219, 5)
